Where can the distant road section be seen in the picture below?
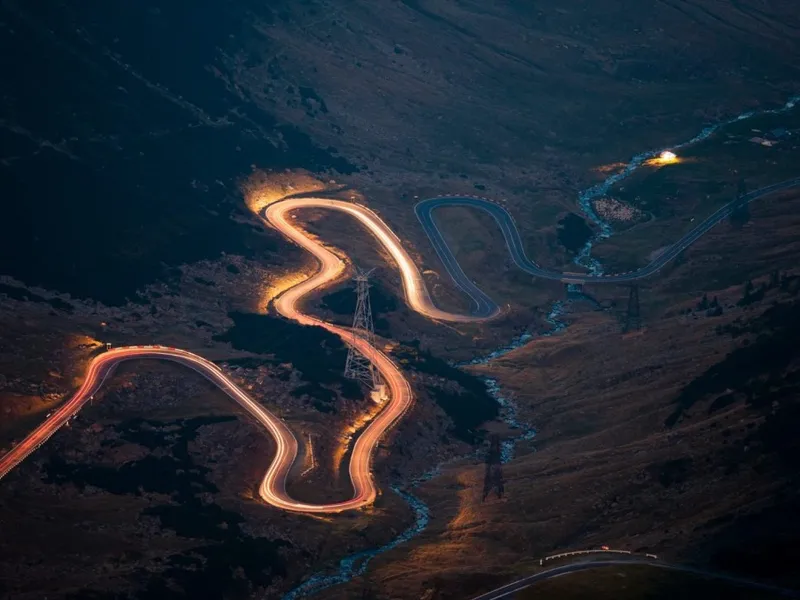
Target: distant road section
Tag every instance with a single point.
(509, 590)
(484, 306)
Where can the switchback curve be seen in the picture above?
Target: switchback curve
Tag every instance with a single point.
(485, 307)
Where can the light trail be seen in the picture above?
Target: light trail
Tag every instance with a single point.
(416, 292)
(273, 486)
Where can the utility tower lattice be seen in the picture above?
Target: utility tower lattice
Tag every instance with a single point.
(633, 319)
(358, 365)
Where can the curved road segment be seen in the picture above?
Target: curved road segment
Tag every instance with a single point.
(331, 268)
(484, 307)
(508, 590)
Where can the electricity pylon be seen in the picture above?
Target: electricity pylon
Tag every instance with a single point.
(633, 318)
(358, 365)
(493, 479)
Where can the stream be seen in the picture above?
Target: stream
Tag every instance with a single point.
(356, 564)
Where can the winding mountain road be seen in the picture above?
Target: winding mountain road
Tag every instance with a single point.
(485, 307)
(273, 486)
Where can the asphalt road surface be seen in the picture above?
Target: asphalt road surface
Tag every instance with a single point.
(484, 306)
(510, 589)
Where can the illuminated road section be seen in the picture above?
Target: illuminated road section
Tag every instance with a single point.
(273, 486)
(484, 306)
(416, 293)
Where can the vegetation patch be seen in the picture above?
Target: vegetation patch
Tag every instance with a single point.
(765, 373)
(316, 353)
(756, 368)
(573, 232)
(468, 407)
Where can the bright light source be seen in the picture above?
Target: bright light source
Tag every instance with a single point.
(667, 156)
